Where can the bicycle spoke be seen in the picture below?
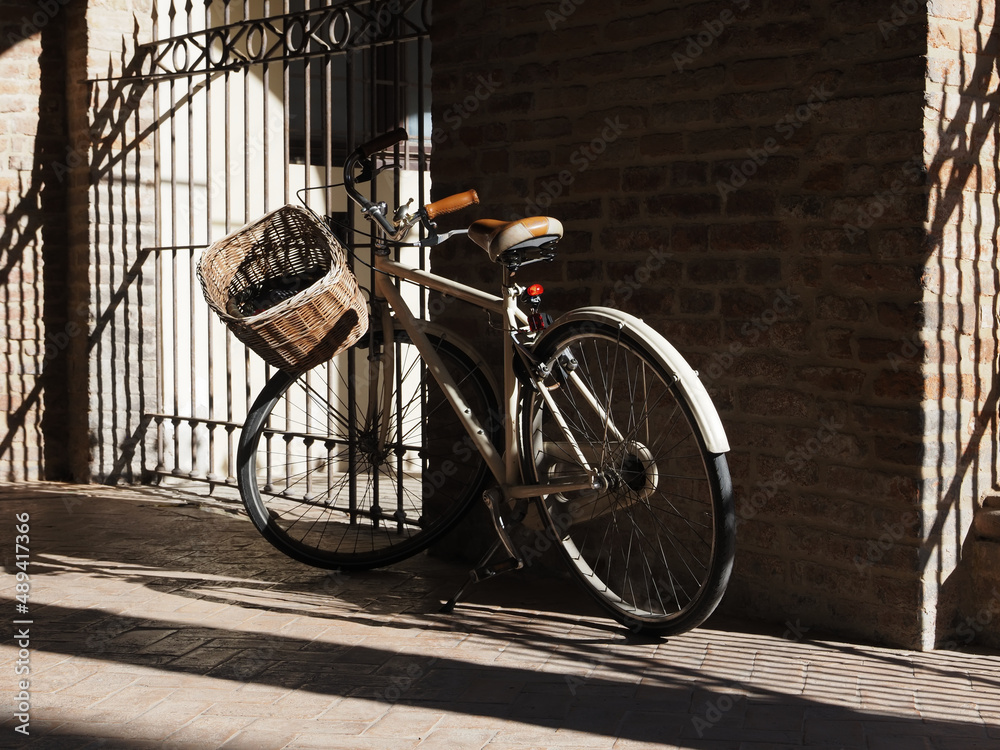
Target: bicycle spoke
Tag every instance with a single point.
(362, 487)
(645, 542)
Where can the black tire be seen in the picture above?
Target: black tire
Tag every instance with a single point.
(655, 544)
(319, 486)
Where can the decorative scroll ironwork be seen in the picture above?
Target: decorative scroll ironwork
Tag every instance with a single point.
(288, 36)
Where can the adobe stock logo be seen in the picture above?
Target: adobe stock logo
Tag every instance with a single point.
(566, 9)
(581, 158)
(786, 127)
(47, 10)
(460, 112)
(705, 38)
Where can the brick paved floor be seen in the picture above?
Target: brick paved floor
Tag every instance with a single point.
(160, 623)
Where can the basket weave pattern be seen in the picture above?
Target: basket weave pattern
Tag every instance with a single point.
(306, 329)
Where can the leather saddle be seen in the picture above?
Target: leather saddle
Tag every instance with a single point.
(500, 238)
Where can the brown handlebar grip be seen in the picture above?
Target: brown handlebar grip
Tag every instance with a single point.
(451, 204)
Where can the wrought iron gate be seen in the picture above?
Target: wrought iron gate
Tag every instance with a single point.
(255, 104)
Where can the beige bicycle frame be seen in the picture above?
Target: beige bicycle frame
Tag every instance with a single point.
(505, 469)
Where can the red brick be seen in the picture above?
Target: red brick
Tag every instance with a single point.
(878, 276)
(765, 72)
(825, 178)
(834, 307)
(771, 368)
(688, 174)
(762, 271)
(691, 238)
(839, 343)
(741, 303)
(749, 237)
(643, 179)
(670, 115)
(881, 350)
(898, 450)
(493, 162)
(626, 240)
(625, 210)
(726, 140)
(749, 202)
(661, 144)
(696, 302)
(777, 402)
(791, 336)
(596, 180)
(904, 386)
(891, 244)
(713, 271)
(833, 379)
(638, 27)
(685, 333)
(684, 205)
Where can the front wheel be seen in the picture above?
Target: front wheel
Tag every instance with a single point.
(362, 462)
(653, 542)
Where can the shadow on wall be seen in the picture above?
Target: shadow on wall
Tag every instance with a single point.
(76, 364)
(33, 247)
(960, 380)
(120, 349)
(52, 277)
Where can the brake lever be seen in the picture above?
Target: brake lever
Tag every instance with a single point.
(433, 238)
(366, 173)
(370, 172)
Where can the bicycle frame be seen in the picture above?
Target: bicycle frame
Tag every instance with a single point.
(505, 468)
(601, 416)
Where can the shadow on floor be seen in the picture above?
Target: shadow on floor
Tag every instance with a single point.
(592, 679)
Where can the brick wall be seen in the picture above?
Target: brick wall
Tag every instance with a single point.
(775, 151)
(961, 573)
(763, 182)
(32, 243)
(69, 400)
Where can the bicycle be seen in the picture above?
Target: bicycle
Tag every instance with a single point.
(601, 424)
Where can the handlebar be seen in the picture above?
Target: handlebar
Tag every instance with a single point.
(360, 155)
(382, 142)
(377, 212)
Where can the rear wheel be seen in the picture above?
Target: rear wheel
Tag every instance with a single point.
(342, 477)
(654, 542)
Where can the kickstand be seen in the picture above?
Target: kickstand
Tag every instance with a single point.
(482, 571)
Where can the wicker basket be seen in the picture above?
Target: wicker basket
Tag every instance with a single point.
(309, 326)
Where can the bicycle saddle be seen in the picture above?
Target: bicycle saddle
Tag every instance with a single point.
(497, 237)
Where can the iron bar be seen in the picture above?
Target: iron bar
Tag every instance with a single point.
(320, 98)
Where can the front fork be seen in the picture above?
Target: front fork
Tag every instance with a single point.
(381, 367)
